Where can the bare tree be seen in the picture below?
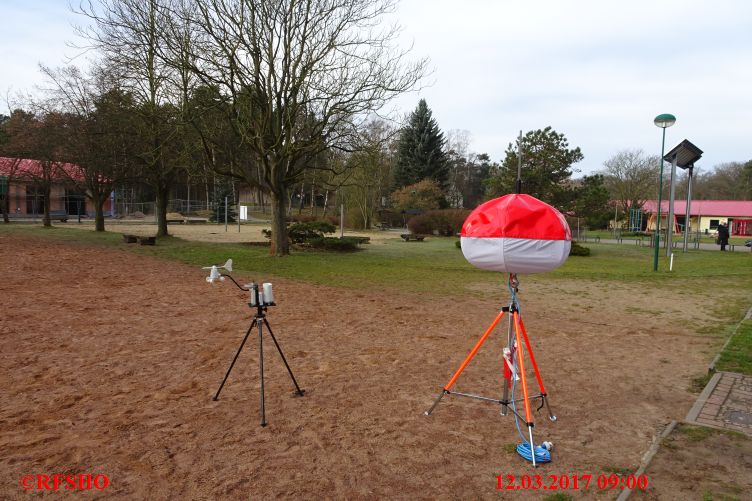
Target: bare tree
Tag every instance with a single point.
(299, 77)
(130, 36)
(37, 137)
(726, 181)
(368, 176)
(96, 122)
(631, 178)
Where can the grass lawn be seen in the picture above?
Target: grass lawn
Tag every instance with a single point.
(435, 265)
(737, 357)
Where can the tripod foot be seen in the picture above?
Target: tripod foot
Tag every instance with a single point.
(438, 399)
(215, 398)
(552, 418)
(298, 393)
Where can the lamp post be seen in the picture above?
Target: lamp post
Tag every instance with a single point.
(663, 121)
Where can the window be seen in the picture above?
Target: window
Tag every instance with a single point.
(714, 224)
(34, 199)
(75, 202)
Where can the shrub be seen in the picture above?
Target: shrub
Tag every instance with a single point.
(579, 250)
(458, 244)
(303, 232)
(343, 244)
(301, 218)
(446, 222)
(423, 195)
(420, 224)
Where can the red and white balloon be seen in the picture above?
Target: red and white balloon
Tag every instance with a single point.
(516, 234)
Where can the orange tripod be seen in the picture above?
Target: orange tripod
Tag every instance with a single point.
(514, 367)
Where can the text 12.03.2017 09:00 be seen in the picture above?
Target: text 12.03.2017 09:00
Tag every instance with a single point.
(570, 482)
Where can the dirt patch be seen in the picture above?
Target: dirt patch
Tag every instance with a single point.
(111, 360)
(700, 463)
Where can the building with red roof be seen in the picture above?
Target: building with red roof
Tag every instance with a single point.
(20, 182)
(705, 215)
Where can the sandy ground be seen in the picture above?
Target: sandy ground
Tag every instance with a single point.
(687, 471)
(110, 361)
(249, 232)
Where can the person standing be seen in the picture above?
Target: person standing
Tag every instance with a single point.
(723, 236)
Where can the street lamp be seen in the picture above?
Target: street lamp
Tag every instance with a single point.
(663, 121)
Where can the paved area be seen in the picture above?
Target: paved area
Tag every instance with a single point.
(726, 402)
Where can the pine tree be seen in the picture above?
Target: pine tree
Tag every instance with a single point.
(546, 168)
(421, 152)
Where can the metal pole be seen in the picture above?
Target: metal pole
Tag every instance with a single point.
(261, 369)
(670, 220)
(616, 217)
(226, 214)
(688, 215)
(342, 220)
(658, 211)
(519, 165)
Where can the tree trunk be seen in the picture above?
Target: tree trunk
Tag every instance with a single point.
(326, 203)
(162, 199)
(280, 243)
(99, 213)
(302, 197)
(6, 206)
(47, 197)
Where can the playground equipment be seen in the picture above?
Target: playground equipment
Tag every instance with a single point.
(635, 220)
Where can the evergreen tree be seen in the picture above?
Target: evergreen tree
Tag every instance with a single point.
(421, 152)
(546, 168)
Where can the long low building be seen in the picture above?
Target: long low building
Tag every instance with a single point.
(21, 182)
(705, 215)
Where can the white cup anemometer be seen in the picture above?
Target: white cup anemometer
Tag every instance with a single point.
(214, 273)
(260, 296)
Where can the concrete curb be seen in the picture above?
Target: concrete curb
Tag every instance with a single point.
(645, 462)
(700, 402)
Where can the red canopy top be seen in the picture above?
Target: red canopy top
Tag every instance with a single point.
(516, 216)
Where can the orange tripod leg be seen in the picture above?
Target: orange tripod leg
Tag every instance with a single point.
(466, 361)
(544, 395)
(521, 362)
(532, 358)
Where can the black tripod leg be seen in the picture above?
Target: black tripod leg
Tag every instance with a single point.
(234, 359)
(261, 370)
(279, 349)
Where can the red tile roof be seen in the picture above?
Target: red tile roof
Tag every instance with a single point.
(33, 168)
(723, 208)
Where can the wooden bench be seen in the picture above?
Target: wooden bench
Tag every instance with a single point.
(197, 220)
(147, 240)
(412, 236)
(130, 239)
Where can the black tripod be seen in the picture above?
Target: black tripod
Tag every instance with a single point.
(259, 320)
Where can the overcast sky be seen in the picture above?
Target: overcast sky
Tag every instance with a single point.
(598, 71)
